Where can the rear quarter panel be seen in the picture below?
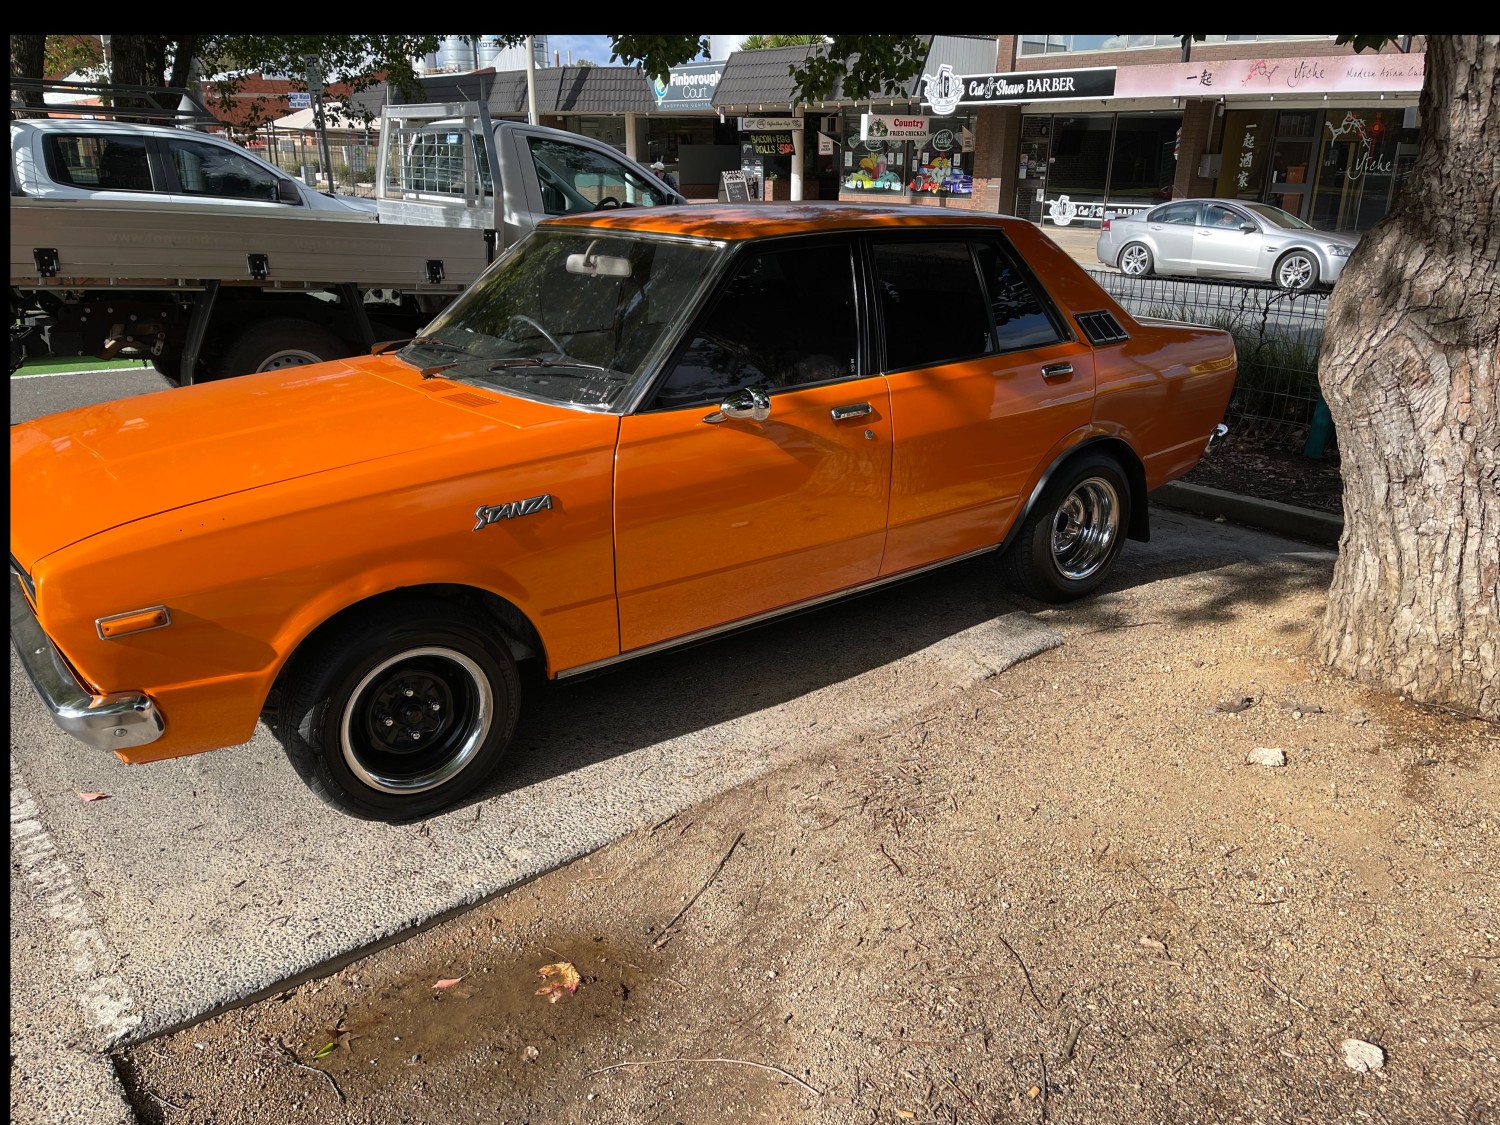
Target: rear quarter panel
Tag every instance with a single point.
(1163, 391)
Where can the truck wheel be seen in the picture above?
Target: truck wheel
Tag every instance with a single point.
(1072, 537)
(402, 713)
(283, 342)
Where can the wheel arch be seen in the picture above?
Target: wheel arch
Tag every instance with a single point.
(512, 625)
(1130, 464)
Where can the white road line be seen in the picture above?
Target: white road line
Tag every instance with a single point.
(106, 1002)
(89, 371)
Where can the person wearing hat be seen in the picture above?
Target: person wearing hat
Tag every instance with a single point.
(666, 177)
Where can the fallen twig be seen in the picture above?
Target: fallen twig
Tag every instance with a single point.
(1041, 1057)
(1031, 988)
(1072, 1041)
(163, 1102)
(287, 1055)
(962, 1093)
(666, 935)
(894, 864)
(739, 1062)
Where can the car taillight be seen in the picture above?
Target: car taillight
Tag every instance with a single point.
(1104, 225)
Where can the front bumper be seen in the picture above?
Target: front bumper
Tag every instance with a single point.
(105, 722)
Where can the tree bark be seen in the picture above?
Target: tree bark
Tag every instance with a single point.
(28, 55)
(1408, 369)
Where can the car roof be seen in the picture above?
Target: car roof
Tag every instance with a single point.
(739, 221)
(97, 125)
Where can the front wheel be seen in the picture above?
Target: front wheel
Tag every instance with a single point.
(282, 342)
(401, 714)
(1297, 271)
(1072, 537)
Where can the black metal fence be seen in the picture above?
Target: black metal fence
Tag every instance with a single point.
(1277, 334)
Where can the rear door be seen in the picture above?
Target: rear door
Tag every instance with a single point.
(719, 519)
(985, 381)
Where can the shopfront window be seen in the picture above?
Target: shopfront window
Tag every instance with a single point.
(1362, 153)
(873, 166)
(940, 164)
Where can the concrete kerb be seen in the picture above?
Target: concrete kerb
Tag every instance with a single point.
(1268, 515)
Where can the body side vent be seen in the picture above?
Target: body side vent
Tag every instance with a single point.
(1101, 328)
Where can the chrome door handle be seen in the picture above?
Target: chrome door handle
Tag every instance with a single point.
(1056, 370)
(853, 410)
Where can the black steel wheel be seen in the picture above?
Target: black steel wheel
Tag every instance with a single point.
(282, 342)
(402, 713)
(1073, 535)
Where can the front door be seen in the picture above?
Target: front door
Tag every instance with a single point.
(722, 515)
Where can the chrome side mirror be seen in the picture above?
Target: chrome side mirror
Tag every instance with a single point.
(749, 404)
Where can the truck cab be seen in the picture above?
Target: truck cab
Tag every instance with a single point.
(438, 163)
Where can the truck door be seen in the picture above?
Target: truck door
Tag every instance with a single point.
(567, 175)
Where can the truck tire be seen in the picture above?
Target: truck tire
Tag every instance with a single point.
(284, 342)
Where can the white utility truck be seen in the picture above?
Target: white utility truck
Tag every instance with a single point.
(211, 285)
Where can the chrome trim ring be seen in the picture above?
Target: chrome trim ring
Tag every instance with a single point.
(1085, 528)
(416, 720)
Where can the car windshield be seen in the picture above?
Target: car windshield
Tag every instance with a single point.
(1277, 217)
(568, 316)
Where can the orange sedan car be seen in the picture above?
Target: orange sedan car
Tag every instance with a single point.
(639, 428)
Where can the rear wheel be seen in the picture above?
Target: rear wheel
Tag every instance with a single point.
(1135, 260)
(1297, 271)
(402, 713)
(1072, 537)
(282, 342)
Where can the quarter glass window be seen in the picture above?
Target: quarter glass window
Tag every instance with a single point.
(785, 319)
(1021, 320)
(931, 303)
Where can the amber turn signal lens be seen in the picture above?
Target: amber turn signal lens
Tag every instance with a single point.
(122, 624)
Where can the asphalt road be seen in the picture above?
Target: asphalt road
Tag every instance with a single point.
(210, 880)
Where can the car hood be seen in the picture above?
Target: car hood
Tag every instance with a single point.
(84, 471)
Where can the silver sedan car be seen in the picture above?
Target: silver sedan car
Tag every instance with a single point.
(1227, 238)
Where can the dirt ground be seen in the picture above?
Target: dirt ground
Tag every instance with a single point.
(1062, 896)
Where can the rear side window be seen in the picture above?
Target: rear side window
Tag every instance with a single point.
(1021, 319)
(784, 320)
(102, 161)
(209, 169)
(931, 303)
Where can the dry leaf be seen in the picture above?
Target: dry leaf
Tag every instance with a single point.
(93, 796)
(447, 982)
(561, 976)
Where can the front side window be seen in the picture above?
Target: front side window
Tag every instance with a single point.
(1184, 214)
(104, 161)
(785, 319)
(931, 304)
(1217, 215)
(575, 179)
(209, 169)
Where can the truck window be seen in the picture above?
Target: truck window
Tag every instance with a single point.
(576, 179)
(210, 169)
(435, 162)
(90, 160)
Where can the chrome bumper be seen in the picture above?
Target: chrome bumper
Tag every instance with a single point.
(106, 722)
(1214, 438)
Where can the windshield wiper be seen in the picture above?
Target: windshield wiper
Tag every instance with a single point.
(576, 368)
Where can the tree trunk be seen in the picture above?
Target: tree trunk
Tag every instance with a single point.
(1408, 369)
(28, 60)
